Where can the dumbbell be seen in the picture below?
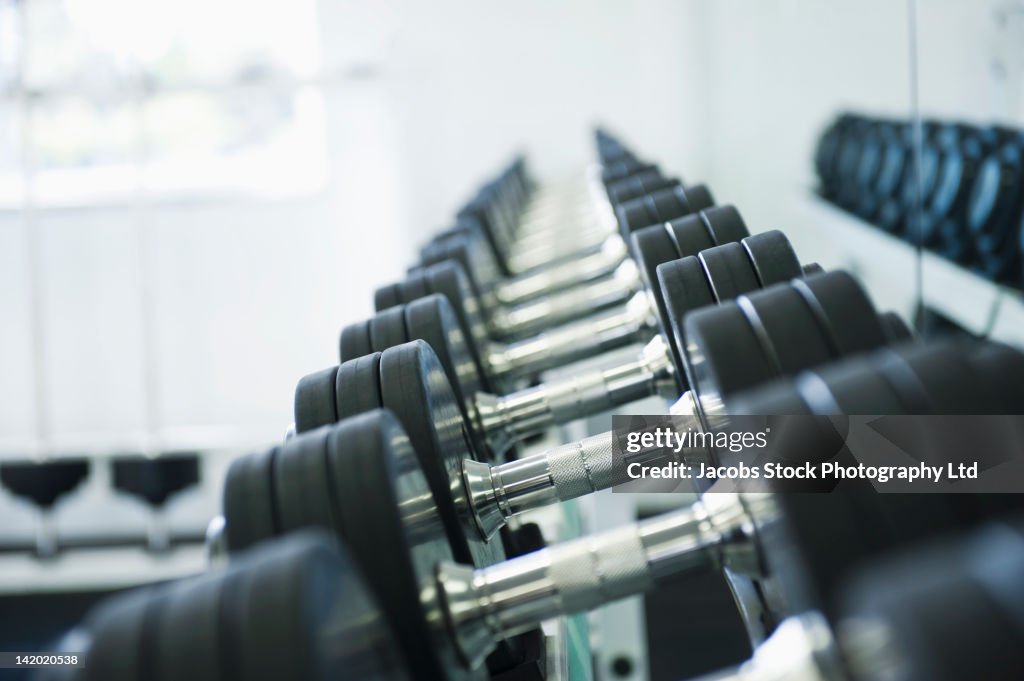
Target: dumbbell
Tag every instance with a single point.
(712, 276)
(499, 212)
(503, 364)
(296, 607)
(380, 476)
(772, 332)
(522, 306)
(937, 612)
(995, 210)
(917, 185)
(958, 151)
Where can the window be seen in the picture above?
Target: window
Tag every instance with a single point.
(104, 100)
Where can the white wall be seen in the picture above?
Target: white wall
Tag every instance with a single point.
(244, 297)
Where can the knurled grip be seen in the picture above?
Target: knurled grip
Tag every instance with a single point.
(601, 568)
(581, 467)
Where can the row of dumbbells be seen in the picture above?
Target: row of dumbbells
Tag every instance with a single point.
(383, 539)
(962, 196)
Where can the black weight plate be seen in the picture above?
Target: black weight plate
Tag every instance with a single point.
(773, 257)
(723, 353)
(387, 329)
(684, 288)
(653, 246)
(855, 386)
(778, 397)
(905, 382)
(357, 386)
(315, 400)
(699, 197)
(415, 287)
(355, 341)
(415, 388)
(187, 639)
(449, 280)
(689, 235)
(635, 214)
(388, 519)
(894, 328)
(724, 224)
(728, 270)
(249, 502)
(387, 296)
(300, 475)
(283, 609)
(669, 203)
(1001, 369)
(949, 380)
(432, 319)
(844, 310)
(787, 329)
(116, 626)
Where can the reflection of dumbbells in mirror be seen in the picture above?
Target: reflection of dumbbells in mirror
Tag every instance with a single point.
(773, 332)
(43, 484)
(154, 481)
(933, 612)
(376, 498)
(567, 289)
(995, 209)
(293, 608)
(714, 275)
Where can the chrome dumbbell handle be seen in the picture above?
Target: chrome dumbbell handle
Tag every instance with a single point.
(562, 306)
(587, 267)
(488, 604)
(510, 418)
(574, 341)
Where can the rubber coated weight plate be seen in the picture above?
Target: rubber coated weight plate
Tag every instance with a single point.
(684, 288)
(387, 296)
(699, 197)
(950, 381)
(689, 235)
(773, 257)
(357, 386)
(387, 517)
(249, 500)
(449, 280)
(387, 329)
(415, 388)
(300, 475)
(844, 310)
(724, 224)
(432, 320)
(653, 246)
(282, 612)
(729, 271)
(894, 328)
(1001, 368)
(355, 341)
(787, 329)
(669, 203)
(415, 287)
(723, 353)
(635, 214)
(856, 386)
(315, 400)
(187, 637)
(776, 397)
(116, 630)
